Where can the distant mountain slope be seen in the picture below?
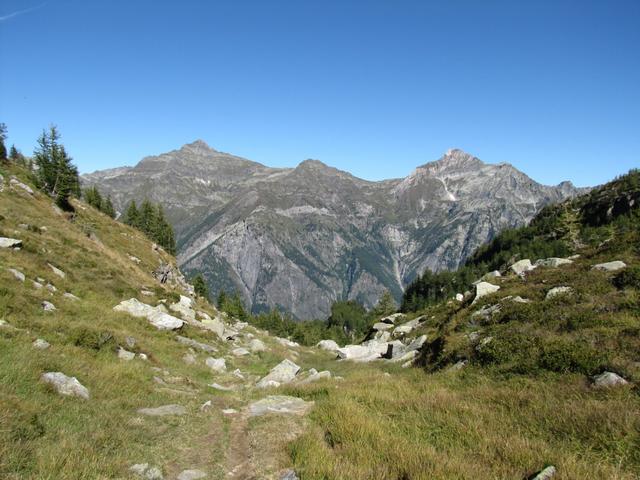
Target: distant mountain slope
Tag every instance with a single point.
(300, 238)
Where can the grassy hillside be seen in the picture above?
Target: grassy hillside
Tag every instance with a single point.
(522, 400)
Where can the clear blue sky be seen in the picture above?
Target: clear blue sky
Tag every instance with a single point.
(372, 87)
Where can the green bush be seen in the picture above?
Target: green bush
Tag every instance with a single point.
(513, 351)
(571, 356)
(87, 337)
(628, 278)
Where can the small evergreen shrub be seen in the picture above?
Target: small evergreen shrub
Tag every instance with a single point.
(571, 356)
(628, 278)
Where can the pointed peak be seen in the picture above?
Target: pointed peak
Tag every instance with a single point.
(198, 146)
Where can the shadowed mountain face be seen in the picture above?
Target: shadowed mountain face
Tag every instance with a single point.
(300, 238)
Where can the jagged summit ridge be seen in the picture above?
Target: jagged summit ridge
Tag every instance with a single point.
(300, 238)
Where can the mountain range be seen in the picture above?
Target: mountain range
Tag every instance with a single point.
(300, 238)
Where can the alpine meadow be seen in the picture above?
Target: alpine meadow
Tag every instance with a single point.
(454, 294)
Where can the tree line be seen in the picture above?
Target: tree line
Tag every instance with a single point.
(150, 219)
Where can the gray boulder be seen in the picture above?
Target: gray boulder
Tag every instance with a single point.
(289, 475)
(40, 344)
(483, 289)
(328, 345)
(545, 474)
(191, 475)
(609, 266)
(552, 262)
(216, 364)
(257, 345)
(366, 352)
(57, 271)
(282, 373)
(315, 376)
(406, 328)
(608, 380)
(195, 344)
(64, 385)
(521, 266)
(240, 352)
(48, 306)
(18, 275)
(163, 411)
(155, 315)
(279, 404)
(14, 182)
(147, 472)
(125, 354)
(10, 242)
(70, 296)
(185, 308)
(558, 291)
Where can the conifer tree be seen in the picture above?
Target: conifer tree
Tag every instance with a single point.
(14, 156)
(200, 286)
(147, 219)
(132, 216)
(3, 137)
(107, 207)
(386, 305)
(57, 175)
(92, 197)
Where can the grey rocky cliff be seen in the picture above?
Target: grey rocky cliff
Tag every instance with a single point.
(300, 238)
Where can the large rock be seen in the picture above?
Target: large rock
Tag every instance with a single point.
(366, 352)
(257, 345)
(608, 380)
(279, 404)
(558, 291)
(216, 364)
(10, 242)
(609, 266)
(382, 326)
(328, 345)
(521, 266)
(48, 306)
(285, 342)
(483, 289)
(14, 182)
(195, 344)
(553, 262)
(185, 308)
(41, 344)
(125, 354)
(163, 411)
(155, 315)
(407, 327)
(282, 373)
(64, 385)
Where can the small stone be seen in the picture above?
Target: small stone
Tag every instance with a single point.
(545, 474)
(240, 352)
(41, 344)
(64, 385)
(285, 342)
(459, 297)
(191, 475)
(229, 411)
(125, 354)
(37, 285)
(130, 341)
(189, 358)
(143, 356)
(608, 380)
(51, 288)
(280, 404)
(145, 471)
(17, 183)
(17, 274)
(284, 372)
(289, 475)
(195, 344)
(135, 260)
(146, 293)
(57, 271)
(163, 411)
(70, 296)
(553, 262)
(48, 306)
(222, 388)
(206, 406)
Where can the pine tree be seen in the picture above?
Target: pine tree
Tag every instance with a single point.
(132, 216)
(222, 300)
(148, 219)
(92, 197)
(386, 305)
(200, 286)
(3, 137)
(14, 156)
(57, 175)
(107, 207)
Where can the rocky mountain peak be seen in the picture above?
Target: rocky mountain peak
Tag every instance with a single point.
(198, 147)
